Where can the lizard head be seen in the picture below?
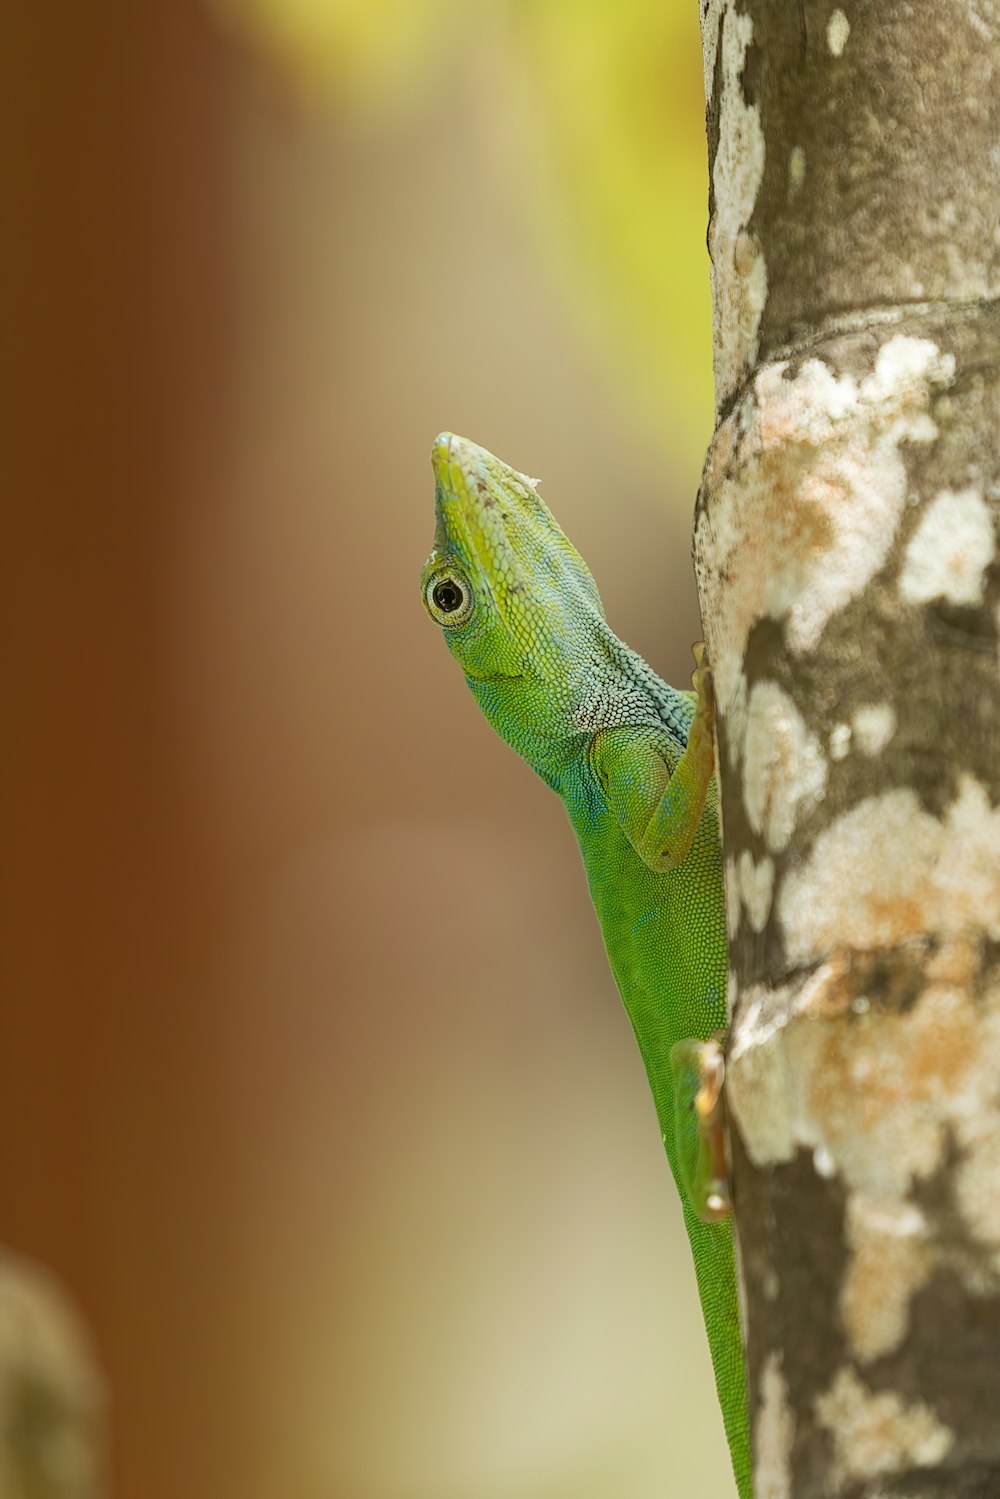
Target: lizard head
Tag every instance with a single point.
(513, 596)
(516, 602)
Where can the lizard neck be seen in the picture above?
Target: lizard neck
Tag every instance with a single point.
(534, 721)
(550, 713)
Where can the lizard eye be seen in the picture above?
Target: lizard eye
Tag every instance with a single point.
(448, 598)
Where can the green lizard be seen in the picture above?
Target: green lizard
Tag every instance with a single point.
(632, 760)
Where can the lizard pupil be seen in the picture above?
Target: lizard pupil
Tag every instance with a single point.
(448, 596)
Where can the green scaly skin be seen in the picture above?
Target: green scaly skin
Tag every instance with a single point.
(632, 760)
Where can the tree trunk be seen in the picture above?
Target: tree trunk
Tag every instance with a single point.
(847, 560)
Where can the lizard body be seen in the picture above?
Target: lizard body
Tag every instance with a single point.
(632, 760)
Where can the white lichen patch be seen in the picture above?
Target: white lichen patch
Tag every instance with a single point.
(840, 1094)
(711, 19)
(784, 768)
(838, 29)
(950, 549)
(773, 1434)
(888, 869)
(869, 731)
(840, 741)
(890, 1260)
(875, 1434)
(756, 883)
(880, 1097)
(759, 1091)
(796, 170)
(805, 487)
(738, 271)
(732, 991)
(873, 726)
(734, 909)
(987, 28)
(824, 1163)
(882, 1103)
(905, 364)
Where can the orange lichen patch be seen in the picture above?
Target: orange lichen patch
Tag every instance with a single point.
(768, 520)
(876, 1088)
(956, 963)
(876, 1434)
(889, 1263)
(888, 870)
(803, 493)
(876, 1092)
(886, 1067)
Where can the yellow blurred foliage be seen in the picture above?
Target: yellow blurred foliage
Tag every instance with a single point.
(369, 53)
(619, 147)
(595, 110)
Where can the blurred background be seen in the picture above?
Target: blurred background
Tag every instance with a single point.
(316, 1094)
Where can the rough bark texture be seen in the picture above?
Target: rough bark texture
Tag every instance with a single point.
(848, 567)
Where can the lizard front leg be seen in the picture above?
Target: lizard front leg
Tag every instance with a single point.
(658, 794)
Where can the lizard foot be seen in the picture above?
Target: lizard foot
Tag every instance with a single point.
(699, 1069)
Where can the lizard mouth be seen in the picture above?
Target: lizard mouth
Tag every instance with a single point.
(494, 678)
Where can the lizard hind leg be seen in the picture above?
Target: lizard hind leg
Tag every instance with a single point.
(699, 1071)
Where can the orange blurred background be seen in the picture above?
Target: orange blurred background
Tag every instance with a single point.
(316, 1091)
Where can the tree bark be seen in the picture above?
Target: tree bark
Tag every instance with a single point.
(846, 552)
